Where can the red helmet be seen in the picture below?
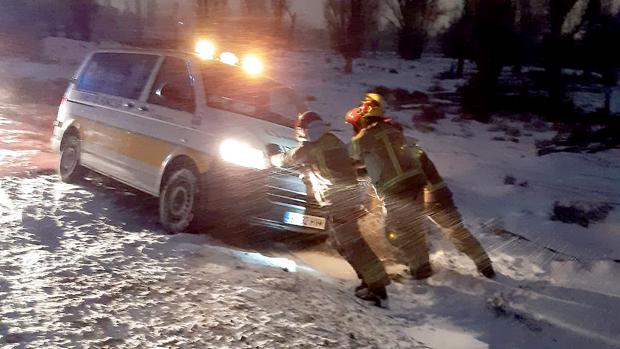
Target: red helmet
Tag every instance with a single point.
(303, 123)
(304, 119)
(354, 117)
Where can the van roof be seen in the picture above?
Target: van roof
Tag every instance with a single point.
(147, 51)
(169, 52)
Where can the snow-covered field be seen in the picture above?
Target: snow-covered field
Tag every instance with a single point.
(88, 266)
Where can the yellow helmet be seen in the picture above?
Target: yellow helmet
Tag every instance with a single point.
(375, 97)
(373, 105)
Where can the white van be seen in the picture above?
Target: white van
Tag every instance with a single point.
(195, 133)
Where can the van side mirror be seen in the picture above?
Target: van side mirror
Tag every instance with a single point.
(273, 149)
(169, 92)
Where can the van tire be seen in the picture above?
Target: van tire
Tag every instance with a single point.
(69, 167)
(178, 200)
(204, 220)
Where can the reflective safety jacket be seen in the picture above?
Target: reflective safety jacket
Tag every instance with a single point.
(392, 164)
(328, 157)
(326, 163)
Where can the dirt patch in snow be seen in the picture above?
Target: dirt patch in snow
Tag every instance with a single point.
(582, 138)
(580, 213)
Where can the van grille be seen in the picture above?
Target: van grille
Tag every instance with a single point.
(286, 188)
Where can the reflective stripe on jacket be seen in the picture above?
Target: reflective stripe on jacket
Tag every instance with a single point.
(436, 189)
(389, 161)
(327, 157)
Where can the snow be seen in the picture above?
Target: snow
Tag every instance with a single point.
(89, 266)
(453, 338)
(298, 70)
(476, 176)
(66, 51)
(82, 267)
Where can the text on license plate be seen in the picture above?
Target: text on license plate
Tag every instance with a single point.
(303, 220)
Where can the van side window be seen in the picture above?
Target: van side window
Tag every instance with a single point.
(117, 74)
(173, 87)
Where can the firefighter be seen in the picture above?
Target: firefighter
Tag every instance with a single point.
(325, 162)
(412, 189)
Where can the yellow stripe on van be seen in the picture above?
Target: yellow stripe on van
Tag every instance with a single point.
(149, 150)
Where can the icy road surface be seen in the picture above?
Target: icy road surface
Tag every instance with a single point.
(89, 267)
(82, 268)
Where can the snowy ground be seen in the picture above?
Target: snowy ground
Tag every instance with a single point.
(88, 266)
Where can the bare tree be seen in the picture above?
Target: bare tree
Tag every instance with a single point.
(602, 28)
(152, 11)
(202, 9)
(456, 40)
(139, 25)
(210, 8)
(527, 29)
(54, 14)
(281, 9)
(488, 32)
(82, 12)
(292, 26)
(202, 15)
(412, 19)
(557, 12)
(350, 23)
(255, 7)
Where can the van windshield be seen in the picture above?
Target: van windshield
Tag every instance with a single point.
(229, 88)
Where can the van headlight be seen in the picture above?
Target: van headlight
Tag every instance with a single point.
(242, 154)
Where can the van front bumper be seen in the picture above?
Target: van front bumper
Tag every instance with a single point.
(259, 198)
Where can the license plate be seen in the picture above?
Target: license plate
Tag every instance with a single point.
(303, 220)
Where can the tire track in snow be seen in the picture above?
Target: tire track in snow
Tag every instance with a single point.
(8, 212)
(89, 267)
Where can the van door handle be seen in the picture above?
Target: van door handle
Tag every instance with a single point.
(128, 105)
(143, 108)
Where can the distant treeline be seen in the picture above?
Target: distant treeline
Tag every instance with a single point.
(551, 34)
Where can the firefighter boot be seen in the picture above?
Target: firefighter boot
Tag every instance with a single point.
(486, 268)
(422, 272)
(377, 295)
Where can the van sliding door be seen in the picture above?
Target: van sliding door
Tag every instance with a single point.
(104, 103)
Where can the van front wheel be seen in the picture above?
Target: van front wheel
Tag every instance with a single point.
(177, 200)
(69, 166)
